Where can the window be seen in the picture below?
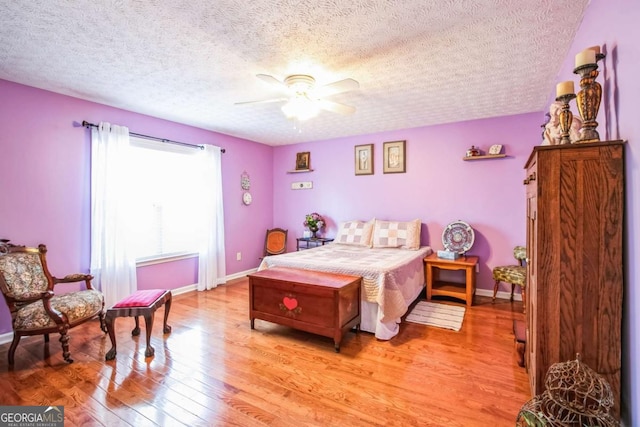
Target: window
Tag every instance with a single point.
(165, 183)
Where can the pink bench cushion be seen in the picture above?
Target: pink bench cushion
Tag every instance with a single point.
(141, 298)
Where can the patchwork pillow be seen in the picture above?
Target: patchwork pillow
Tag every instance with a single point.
(396, 234)
(356, 233)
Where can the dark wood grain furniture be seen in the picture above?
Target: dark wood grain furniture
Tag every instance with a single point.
(140, 303)
(326, 304)
(575, 204)
(436, 287)
(520, 338)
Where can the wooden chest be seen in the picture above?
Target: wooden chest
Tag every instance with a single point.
(321, 303)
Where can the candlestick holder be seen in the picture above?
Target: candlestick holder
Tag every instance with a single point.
(588, 100)
(565, 117)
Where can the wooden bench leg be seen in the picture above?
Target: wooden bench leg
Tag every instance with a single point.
(519, 332)
(136, 331)
(148, 321)
(495, 290)
(167, 307)
(520, 347)
(110, 321)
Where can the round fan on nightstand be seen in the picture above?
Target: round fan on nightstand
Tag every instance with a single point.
(458, 237)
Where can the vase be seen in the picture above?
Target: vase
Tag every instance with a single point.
(313, 230)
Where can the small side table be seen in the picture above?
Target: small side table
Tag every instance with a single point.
(311, 242)
(436, 287)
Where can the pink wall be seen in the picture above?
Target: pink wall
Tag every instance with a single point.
(438, 186)
(44, 177)
(45, 183)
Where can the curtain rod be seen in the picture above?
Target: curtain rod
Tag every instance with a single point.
(86, 124)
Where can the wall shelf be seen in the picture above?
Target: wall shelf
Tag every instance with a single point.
(301, 171)
(488, 156)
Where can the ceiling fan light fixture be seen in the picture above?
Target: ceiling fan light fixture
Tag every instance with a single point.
(303, 99)
(300, 108)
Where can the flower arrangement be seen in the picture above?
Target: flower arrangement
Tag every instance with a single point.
(313, 221)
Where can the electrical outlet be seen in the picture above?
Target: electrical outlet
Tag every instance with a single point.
(239, 256)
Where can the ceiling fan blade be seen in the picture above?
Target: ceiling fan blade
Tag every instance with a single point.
(338, 87)
(271, 80)
(262, 101)
(335, 107)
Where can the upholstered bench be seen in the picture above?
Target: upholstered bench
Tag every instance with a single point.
(140, 303)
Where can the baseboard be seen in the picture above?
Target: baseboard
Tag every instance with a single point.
(240, 274)
(500, 294)
(6, 338)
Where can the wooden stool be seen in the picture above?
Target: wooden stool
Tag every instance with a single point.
(140, 303)
(519, 330)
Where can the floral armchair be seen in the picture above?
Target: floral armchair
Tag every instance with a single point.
(28, 289)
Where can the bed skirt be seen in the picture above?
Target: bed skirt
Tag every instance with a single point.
(371, 315)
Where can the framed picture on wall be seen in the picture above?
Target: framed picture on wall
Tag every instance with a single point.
(303, 161)
(394, 159)
(364, 159)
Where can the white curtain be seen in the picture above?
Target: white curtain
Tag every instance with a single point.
(211, 265)
(112, 263)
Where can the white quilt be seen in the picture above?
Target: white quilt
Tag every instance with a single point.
(392, 277)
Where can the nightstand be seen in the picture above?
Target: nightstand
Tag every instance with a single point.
(436, 287)
(311, 242)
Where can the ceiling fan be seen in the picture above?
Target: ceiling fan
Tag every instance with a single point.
(303, 99)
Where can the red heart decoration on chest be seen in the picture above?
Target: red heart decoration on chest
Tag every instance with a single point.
(290, 303)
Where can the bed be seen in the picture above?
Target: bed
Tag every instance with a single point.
(393, 277)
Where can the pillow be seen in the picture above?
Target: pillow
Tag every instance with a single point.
(396, 234)
(356, 233)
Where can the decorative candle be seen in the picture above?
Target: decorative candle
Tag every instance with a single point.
(564, 88)
(585, 57)
(596, 49)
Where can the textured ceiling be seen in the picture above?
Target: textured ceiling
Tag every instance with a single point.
(418, 62)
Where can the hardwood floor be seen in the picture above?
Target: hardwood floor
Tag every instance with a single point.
(213, 370)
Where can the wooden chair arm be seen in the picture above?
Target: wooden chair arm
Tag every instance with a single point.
(78, 277)
(57, 317)
(47, 295)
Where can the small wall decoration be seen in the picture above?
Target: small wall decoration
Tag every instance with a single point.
(245, 181)
(473, 151)
(364, 159)
(495, 149)
(394, 157)
(303, 161)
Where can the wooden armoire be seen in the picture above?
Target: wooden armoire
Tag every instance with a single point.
(575, 207)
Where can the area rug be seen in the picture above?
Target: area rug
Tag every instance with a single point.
(440, 315)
